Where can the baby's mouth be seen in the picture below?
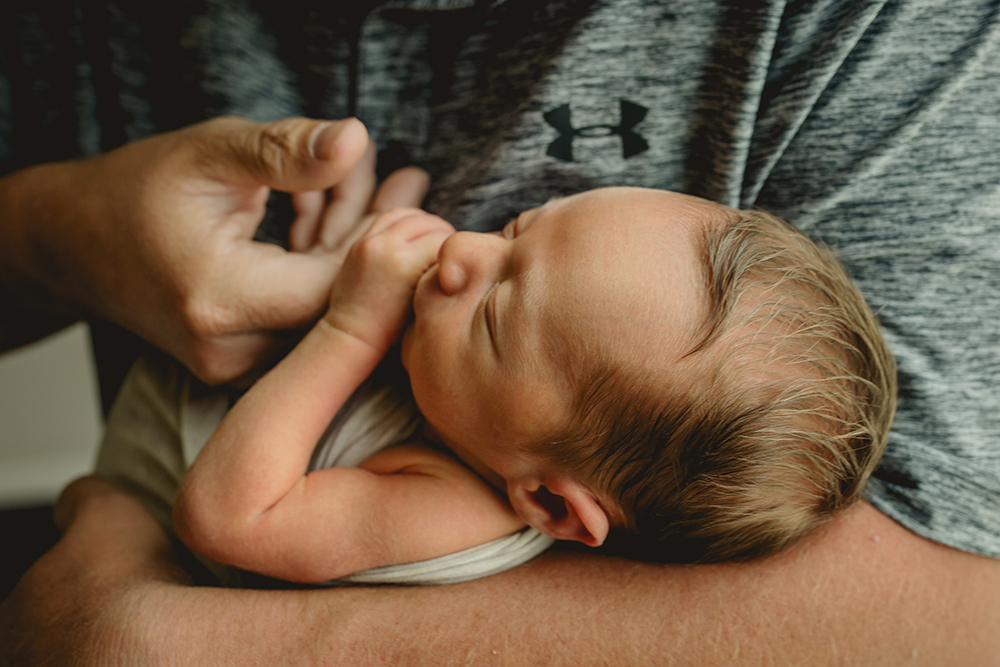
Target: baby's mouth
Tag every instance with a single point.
(422, 284)
(430, 273)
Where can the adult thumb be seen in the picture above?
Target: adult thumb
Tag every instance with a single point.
(292, 155)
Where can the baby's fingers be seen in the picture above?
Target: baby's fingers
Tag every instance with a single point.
(421, 235)
(417, 224)
(401, 246)
(385, 221)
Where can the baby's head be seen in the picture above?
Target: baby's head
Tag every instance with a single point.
(707, 381)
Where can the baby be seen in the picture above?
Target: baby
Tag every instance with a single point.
(703, 384)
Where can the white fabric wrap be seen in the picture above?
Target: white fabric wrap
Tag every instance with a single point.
(163, 417)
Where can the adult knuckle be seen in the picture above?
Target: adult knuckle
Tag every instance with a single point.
(217, 124)
(203, 141)
(213, 362)
(272, 148)
(263, 150)
(209, 370)
(204, 316)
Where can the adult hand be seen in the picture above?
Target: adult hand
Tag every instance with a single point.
(157, 235)
(331, 222)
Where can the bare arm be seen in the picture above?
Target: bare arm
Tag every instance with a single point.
(842, 597)
(249, 499)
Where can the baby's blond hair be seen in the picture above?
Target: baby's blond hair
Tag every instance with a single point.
(789, 416)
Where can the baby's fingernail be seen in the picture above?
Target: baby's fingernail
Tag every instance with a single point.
(324, 140)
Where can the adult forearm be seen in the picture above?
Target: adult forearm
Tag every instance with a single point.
(30, 299)
(865, 592)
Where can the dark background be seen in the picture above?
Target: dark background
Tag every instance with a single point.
(30, 532)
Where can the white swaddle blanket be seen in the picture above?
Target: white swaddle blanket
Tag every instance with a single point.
(163, 417)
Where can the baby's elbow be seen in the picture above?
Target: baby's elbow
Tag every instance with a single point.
(209, 526)
(185, 519)
(196, 525)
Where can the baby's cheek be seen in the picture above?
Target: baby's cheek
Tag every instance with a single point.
(434, 399)
(415, 362)
(405, 346)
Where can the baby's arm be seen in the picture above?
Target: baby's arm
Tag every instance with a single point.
(247, 500)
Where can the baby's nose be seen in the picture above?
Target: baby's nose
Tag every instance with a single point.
(460, 258)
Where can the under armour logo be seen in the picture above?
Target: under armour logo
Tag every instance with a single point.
(632, 144)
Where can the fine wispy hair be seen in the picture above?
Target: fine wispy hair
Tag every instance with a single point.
(788, 411)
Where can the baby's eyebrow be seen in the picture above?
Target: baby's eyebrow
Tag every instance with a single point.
(535, 212)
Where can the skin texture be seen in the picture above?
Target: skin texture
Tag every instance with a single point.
(248, 501)
(862, 591)
(501, 317)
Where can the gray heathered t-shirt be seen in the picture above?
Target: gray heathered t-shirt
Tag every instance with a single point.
(872, 125)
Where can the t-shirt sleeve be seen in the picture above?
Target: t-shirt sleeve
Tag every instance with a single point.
(48, 110)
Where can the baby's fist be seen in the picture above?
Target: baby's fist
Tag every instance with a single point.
(372, 295)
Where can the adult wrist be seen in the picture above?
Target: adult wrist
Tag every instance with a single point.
(33, 308)
(32, 264)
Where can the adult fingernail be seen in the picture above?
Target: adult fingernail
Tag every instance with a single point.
(324, 140)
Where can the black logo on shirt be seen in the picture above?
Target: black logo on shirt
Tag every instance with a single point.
(632, 143)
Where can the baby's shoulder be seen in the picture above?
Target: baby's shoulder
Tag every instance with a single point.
(421, 458)
(417, 479)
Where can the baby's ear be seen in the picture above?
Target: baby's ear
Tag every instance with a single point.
(560, 507)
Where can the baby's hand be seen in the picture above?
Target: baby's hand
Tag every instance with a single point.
(373, 293)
